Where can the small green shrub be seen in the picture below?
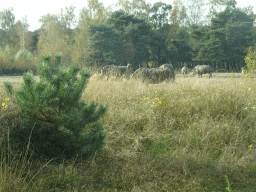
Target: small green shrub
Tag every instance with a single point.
(59, 123)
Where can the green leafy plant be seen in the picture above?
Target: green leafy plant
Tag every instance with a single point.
(228, 188)
(60, 123)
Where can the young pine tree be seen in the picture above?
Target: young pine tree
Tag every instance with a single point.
(61, 125)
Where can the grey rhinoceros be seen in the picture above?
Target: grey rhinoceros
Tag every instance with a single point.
(184, 70)
(202, 69)
(155, 75)
(117, 71)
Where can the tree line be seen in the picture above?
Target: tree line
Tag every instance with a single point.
(133, 32)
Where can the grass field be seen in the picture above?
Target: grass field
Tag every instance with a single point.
(197, 134)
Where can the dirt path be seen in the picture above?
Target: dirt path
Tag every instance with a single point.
(216, 78)
(17, 79)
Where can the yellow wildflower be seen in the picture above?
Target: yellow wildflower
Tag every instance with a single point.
(160, 102)
(152, 105)
(4, 105)
(147, 98)
(249, 89)
(143, 97)
(249, 103)
(156, 99)
(164, 137)
(241, 83)
(245, 107)
(7, 99)
(155, 91)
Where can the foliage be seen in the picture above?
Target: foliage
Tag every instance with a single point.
(158, 49)
(250, 60)
(68, 18)
(60, 124)
(4, 36)
(194, 12)
(7, 19)
(8, 34)
(95, 13)
(122, 39)
(55, 36)
(82, 46)
(16, 63)
(179, 15)
(34, 39)
(24, 60)
(21, 28)
(138, 8)
(225, 35)
(172, 53)
(226, 39)
(213, 47)
(182, 45)
(108, 45)
(160, 13)
(137, 36)
(6, 58)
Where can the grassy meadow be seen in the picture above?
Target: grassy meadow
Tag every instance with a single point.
(197, 134)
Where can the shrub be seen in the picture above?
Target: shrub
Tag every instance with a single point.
(59, 123)
(250, 60)
(24, 60)
(6, 60)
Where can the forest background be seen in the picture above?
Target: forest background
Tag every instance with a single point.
(133, 32)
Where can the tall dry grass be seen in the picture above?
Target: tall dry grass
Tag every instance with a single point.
(192, 135)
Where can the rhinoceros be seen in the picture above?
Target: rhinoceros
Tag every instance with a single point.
(117, 71)
(202, 69)
(184, 70)
(154, 75)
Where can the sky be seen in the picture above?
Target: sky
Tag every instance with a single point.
(35, 9)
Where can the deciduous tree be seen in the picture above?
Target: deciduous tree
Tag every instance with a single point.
(22, 28)
(95, 13)
(160, 14)
(138, 8)
(53, 38)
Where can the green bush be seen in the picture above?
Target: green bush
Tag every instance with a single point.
(55, 121)
(24, 61)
